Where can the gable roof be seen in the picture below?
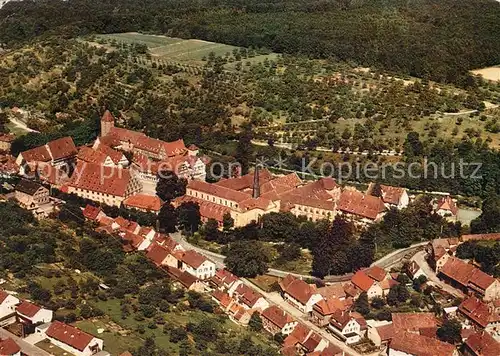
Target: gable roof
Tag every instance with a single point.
(247, 295)
(157, 253)
(386, 332)
(28, 309)
(329, 306)
(483, 344)
(143, 201)
(115, 155)
(9, 347)
(69, 335)
(62, 148)
(3, 296)
(479, 237)
(420, 345)
(357, 203)
(391, 195)
(466, 274)
(89, 155)
(37, 154)
(362, 281)
(297, 289)
(193, 258)
(446, 203)
(91, 212)
(277, 316)
(375, 272)
(107, 117)
(413, 321)
(107, 180)
(476, 310)
(28, 186)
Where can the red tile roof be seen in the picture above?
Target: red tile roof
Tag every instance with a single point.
(329, 306)
(218, 190)
(386, 332)
(357, 203)
(62, 148)
(69, 335)
(377, 273)
(132, 239)
(9, 347)
(222, 297)
(107, 180)
(362, 281)
(115, 155)
(247, 295)
(476, 310)
(416, 344)
(483, 344)
(466, 274)
(225, 276)
(334, 290)
(245, 182)
(6, 137)
(277, 316)
(157, 253)
(298, 336)
(28, 309)
(3, 296)
(175, 147)
(447, 203)
(480, 237)
(144, 202)
(193, 259)
(413, 321)
(91, 212)
(89, 155)
(391, 195)
(297, 288)
(40, 154)
(331, 350)
(107, 117)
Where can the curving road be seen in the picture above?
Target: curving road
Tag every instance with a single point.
(384, 262)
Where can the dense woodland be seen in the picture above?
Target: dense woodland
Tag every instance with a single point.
(435, 39)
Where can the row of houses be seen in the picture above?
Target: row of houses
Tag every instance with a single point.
(33, 318)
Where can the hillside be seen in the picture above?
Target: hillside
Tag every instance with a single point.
(439, 40)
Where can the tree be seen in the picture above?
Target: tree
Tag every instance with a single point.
(488, 221)
(290, 252)
(189, 216)
(361, 304)
(167, 218)
(227, 222)
(450, 331)
(378, 303)
(247, 259)
(376, 190)
(178, 334)
(170, 186)
(397, 294)
(211, 230)
(255, 322)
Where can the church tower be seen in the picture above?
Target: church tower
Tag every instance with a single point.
(107, 123)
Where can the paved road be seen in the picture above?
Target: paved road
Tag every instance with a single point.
(419, 257)
(384, 262)
(26, 348)
(276, 299)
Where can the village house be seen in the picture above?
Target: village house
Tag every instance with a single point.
(197, 264)
(30, 313)
(8, 304)
(8, 347)
(417, 323)
(57, 153)
(303, 341)
(380, 332)
(134, 242)
(144, 203)
(470, 280)
(8, 166)
(223, 299)
(481, 344)
(325, 308)
(363, 283)
(186, 279)
(247, 297)
(409, 344)
(6, 141)
(71, 339)
(300, 294)
(480, 316)
(33, 197)
(439, 250)
(414, 270)
(158, 254)
(92, 213)
(106, 185)
(393, 197)
(361, 208)
(102, 155)
(350, 327)
(446, 207)
(223, 280)
(275, 320)
(242, 315)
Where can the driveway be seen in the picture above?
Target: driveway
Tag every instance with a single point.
(419, 257)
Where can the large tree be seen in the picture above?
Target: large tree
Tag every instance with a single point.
(489, 220)
(170, 186)
(189, 216)
(247, 259)
(167, 218)
(450, 331)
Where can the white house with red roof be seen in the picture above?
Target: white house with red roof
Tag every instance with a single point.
(8, 347)
(364, 283)
(71, 339)
(8, 304)
(360, 207)
(300, 294)
(396, 197)
(276, 320)
(446, 207)
(407, 344)
(143, 202)
(30, 313)
(247, 297)
(223, 280)
(350, 327)
(197, 264)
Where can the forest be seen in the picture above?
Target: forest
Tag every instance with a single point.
(439, 40)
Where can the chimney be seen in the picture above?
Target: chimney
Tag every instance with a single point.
(256, 185)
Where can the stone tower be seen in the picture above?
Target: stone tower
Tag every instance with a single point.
(107, 123)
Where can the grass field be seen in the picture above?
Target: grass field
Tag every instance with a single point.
(491, 73)
(179, 50)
